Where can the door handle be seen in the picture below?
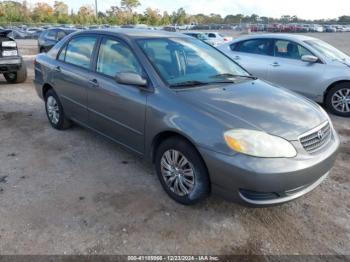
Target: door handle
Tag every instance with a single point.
(275, 64)
(94, 83)
(57, 68)
(237, 57)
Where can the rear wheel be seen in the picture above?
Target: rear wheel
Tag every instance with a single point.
(338, 99)
(54, 111)
(17, 77)
(182, 171)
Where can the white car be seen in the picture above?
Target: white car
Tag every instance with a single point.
(218, 38)
(316, 28)
(203, 37)
(300, 63)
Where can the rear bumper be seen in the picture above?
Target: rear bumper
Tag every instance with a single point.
(10, 64)
(268, 181)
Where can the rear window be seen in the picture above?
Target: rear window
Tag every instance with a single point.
(255, 46)
(51, 34)
(79, 51)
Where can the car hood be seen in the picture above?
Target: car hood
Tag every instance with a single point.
(259, 105)
(342, 62)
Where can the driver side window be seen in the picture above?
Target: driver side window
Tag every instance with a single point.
(289, 49)
(115, 57)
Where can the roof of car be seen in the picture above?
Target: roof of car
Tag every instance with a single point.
(279, 36)
(135, 33)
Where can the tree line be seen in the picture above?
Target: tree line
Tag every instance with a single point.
(123, 14)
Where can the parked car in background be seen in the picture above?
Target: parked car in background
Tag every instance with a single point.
(205, 123)
(275, 27)
(17, 34)
(51, 36)
(203, 37)
(12, 65)
(218, 38)
(330, 29)
(316, 28)
(33, 32)
(303, 64)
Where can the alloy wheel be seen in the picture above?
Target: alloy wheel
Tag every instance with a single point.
(53, 110)
(177, 172)
(341, 100)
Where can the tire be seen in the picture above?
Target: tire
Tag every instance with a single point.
(197, 185)
(17, 77)
(54, 111)
(338, 99)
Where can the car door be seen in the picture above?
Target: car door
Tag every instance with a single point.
(117, 110)
(71, 74)
(288, 70)
(255, 55)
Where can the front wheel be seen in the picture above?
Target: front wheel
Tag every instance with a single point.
(338, 100)
(182, 171)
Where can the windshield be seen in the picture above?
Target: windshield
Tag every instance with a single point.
(189, 61)
(327, 50)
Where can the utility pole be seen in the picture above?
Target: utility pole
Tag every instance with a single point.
(96, 10)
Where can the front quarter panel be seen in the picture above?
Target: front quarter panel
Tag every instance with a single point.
(167, 112)
(333, 74)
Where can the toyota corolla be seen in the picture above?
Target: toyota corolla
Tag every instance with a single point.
(205, 122)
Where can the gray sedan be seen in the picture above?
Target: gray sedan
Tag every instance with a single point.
(205, 123)
(300, 63)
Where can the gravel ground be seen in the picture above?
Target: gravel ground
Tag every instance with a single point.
(73, 192)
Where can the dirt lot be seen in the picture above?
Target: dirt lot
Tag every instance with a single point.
(73, 192)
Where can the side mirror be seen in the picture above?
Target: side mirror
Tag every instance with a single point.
(309, 58)
(129, 78)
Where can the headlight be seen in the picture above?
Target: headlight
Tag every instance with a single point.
(258, 144)
(9, 44)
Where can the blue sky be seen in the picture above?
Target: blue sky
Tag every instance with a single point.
(309, 9)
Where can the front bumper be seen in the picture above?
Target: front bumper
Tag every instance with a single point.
(10, 64)
(268, 181)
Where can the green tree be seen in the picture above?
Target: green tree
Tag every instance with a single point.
(166, 19)
(43, 12)
(152, 16)
(233, 19)
(344, 19)
(179, 17)
(12, 11)
(60, 8)
(61, 12)
(86, 15)
(129, 5)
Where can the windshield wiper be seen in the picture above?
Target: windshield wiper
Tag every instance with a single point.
(229, 75)
(189, 83)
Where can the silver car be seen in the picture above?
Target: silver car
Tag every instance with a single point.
(205, 123)
(300, 63)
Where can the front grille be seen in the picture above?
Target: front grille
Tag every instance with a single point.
(315, 140)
